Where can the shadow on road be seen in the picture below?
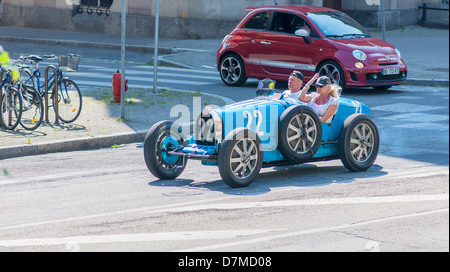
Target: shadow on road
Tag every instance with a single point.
(303, 175)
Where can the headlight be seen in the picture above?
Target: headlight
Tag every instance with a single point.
(398, 53)
(359, 55)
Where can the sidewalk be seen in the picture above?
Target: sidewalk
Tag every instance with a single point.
(425, 50)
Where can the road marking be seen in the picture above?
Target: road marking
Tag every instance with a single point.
(188, 70)
(405, 108)
(421, 173)
(418, 117)
(308, 202)
(149, 80)
(144, 209)
(415, 172)
(136, 237)
(312, 231)
(144, 75)
(96, 172)
(426, 126)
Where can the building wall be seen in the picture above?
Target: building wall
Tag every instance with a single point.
(185, 18)
(398, 13)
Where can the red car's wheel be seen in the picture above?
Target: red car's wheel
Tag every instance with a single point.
(334, 71)
(232, 70)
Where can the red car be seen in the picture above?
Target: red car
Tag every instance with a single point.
(270, 42)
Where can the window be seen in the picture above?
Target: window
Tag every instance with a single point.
(337, 25)
(289, 23)
(259, 21)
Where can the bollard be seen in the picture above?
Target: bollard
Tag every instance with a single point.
(117, 86)
(55, 93)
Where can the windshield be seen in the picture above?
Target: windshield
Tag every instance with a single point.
(338, 25)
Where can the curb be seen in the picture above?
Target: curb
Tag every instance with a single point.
(138, 48)
(86, 143)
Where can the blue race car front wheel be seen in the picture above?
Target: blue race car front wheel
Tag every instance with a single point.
(161, 139)
(240, 157)
(358, 142)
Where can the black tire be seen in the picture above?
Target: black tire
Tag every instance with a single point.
(70, 101)
(10, 108)
(32, 108)
(358, 142)
(332, 70)
(300, 132)
(232, 70)
(159, 139)
(240, 157)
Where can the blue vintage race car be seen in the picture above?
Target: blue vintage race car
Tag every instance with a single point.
(241, 138)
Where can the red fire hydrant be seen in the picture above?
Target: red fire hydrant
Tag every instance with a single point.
(116, 86)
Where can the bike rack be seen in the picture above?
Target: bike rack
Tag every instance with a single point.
(90, 5)
(55, 94)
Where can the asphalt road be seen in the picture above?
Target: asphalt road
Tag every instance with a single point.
(107, 200)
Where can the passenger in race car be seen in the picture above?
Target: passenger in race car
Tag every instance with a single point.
(325, 100)
(295, 82)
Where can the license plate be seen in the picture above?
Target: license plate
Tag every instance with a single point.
(390, 71)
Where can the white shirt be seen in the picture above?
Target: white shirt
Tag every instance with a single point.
(320, 109)
(289, 94)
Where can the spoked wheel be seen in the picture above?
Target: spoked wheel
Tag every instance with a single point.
(32, 108)
(358, 142)
(232, 70)
(10, 108)
(332, 70)
(300, 133)
(240, 158)
(161, 139)
(70, 101)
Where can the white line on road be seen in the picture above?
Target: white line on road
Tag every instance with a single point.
(143, 74)
(136, 237)
(311, 231)
(60, 176)
(308, 202)
(149, 80)
(203, 204)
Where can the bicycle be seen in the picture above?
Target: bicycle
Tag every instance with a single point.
(10, 102)
(69, 95)
(32, 107)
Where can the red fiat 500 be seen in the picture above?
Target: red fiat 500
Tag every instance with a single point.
(270, 42)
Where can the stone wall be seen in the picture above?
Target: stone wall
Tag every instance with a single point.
(398, 13)
(188, 19)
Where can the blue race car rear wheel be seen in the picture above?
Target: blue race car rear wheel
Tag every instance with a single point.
(300, 132)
